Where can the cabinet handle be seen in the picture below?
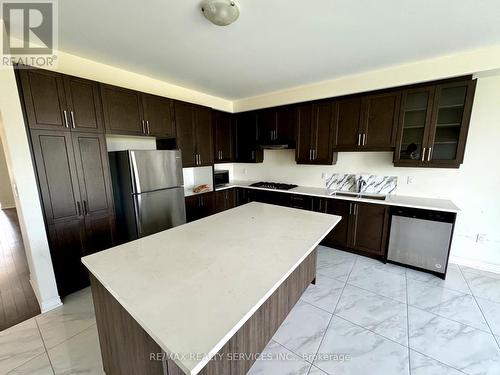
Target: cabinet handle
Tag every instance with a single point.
(359, 139)
(253, 155)
(429, 154)
(315, 154)
(356, 209)
(65, 113)
(72, 119)
(143, 127)
(199, 158)
(423, 153)
(85, 208)
(310, 154)
(350, 208)
(364, 139)
(147, 126)
(79, 208)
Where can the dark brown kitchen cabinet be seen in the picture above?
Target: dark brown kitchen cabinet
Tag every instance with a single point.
(379, 121)
(225, 200)
(44, 99)
(339, 236)
(158, 116)
(367, 123)
(74, 181)
(95, 189)
(315, 134)
(369, 228)
(247, 138)
(194, 134)
(83, 105)
(122, 111)
(433, 125)
(66, 242)
(277, 126)
(223, 137)
(199, 206)
(347, 123)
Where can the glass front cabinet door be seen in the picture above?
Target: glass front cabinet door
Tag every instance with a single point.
(433, 125)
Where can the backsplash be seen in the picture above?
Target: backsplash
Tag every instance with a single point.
(371, 184)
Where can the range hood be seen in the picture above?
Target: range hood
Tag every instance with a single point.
(277, 145)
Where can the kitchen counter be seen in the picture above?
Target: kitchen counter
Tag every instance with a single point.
(391, 200)
(192, 287)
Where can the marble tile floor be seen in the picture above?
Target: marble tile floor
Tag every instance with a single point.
(361, 317)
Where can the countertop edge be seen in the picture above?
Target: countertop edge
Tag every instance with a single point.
(363, 200)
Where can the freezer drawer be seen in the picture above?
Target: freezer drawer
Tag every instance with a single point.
(159, 210)
(420, 243)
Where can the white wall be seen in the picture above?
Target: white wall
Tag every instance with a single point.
(6, 194)
(15, 142)
(475, 187)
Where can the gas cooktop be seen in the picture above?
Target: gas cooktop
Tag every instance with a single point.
(273, 185)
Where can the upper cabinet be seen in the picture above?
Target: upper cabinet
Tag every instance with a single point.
(223, 137)
(56, 101)
(367, 123)
(194, 134)
(247, 138)
(315, 133)
(277, 126)
(433, 125)
(158, 116)
(122, 111)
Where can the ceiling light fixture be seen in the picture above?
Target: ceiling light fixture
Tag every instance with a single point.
(220, 12)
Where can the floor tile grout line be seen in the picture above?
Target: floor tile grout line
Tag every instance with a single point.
(335, 308)
(480, 308)
(408, 323)
(44, 346)
(438, 361)
(28, 361)
(439, 286)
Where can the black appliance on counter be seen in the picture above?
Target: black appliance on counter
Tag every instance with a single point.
(273, 185)
(221, 177)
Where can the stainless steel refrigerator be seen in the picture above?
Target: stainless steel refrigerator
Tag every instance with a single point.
(148, 191)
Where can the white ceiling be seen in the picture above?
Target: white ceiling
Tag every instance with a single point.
(275, 44)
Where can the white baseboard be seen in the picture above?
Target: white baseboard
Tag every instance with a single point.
(483, 266)
(46, 305)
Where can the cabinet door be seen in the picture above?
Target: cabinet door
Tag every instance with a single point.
(266, 119)
(44, 100)
(380, 115)
(192, 208)
(230, 198)
(414, 124)
(122, 111)
(303, 152)
(225, 200)
(204, 136)
(199, 206)
(369, 228)
(84, 104)
(348, 137)
(449, 124)
(159, 116)
(223, 137)
(66, 240)
(95, 186)
(286, 121)
(339, 236)
(57, 176)
(247, 137)
(323, 134)
(184, 119)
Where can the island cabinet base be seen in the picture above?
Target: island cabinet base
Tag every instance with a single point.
(127, 349)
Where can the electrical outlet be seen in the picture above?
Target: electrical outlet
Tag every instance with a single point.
(325, 175)
(480, 237)
(410, 180)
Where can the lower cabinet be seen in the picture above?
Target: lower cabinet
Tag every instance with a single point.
(225, 200)
(363, 228)
(199, 206)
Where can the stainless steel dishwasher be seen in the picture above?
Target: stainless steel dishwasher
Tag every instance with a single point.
(421, 238)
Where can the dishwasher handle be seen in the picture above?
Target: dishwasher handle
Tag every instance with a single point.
(431, 215)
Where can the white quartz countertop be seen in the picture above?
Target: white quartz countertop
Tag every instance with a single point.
(193, 286)
(391, 200)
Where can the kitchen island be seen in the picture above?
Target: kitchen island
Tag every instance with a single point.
(207, 296)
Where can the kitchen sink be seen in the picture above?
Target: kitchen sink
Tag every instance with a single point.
(376, 197)
(346, 194)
